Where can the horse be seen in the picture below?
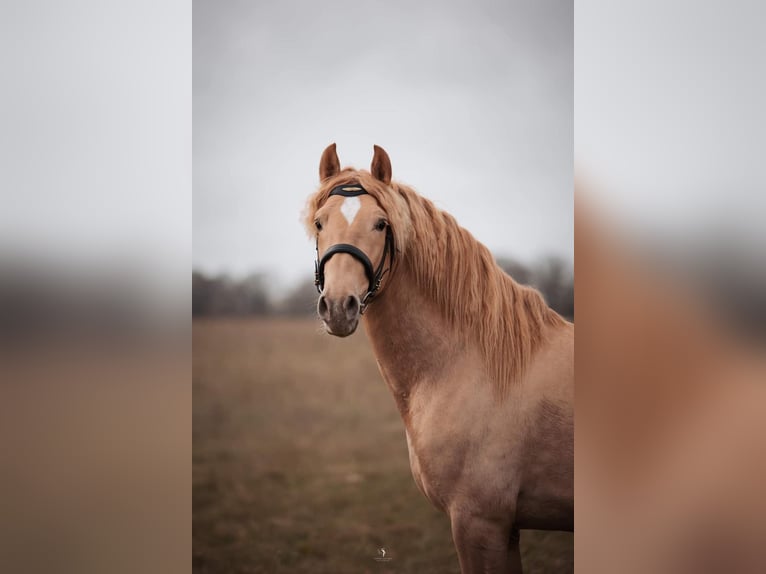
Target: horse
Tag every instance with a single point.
(480, 368)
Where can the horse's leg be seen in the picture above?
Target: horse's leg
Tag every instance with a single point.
(514, 551)
(485, 546)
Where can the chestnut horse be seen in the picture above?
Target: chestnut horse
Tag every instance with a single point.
(481, 369)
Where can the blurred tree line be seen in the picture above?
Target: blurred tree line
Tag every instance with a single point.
(224, 296)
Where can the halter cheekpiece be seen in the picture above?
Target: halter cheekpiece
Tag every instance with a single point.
(374, 276)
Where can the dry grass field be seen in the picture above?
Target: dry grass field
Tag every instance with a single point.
(300, 462)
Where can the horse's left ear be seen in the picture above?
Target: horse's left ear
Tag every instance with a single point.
(381, 165)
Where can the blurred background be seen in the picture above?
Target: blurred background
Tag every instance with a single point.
(670, 473)
(95, 250)
(300, 459)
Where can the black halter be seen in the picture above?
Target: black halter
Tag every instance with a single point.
(374, 276)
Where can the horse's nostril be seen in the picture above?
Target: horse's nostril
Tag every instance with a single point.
(352, 305)
(322, 308)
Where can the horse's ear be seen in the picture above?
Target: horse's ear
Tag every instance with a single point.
(381, 165)
(329, 165)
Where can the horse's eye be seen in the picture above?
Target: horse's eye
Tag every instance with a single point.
(381, 225)
(318, 225)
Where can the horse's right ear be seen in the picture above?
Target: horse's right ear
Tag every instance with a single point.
(329, 165)
(381, 165)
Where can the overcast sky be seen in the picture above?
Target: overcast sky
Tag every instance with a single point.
(472, 100)
(671, 129)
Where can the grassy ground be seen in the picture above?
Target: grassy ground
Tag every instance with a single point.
(300, 462)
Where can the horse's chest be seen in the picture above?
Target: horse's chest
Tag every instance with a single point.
(427, 485)
(436, 467)
(461, 448)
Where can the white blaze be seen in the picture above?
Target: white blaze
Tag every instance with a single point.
(350, 208)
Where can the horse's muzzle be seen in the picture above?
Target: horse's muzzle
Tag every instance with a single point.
(339, 315)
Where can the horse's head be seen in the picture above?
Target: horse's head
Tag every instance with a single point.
(354, 240)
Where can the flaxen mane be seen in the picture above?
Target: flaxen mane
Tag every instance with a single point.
(476, 297)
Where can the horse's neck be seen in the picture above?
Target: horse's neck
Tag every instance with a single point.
(412, 342)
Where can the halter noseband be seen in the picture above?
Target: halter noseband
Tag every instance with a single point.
(374, 276)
